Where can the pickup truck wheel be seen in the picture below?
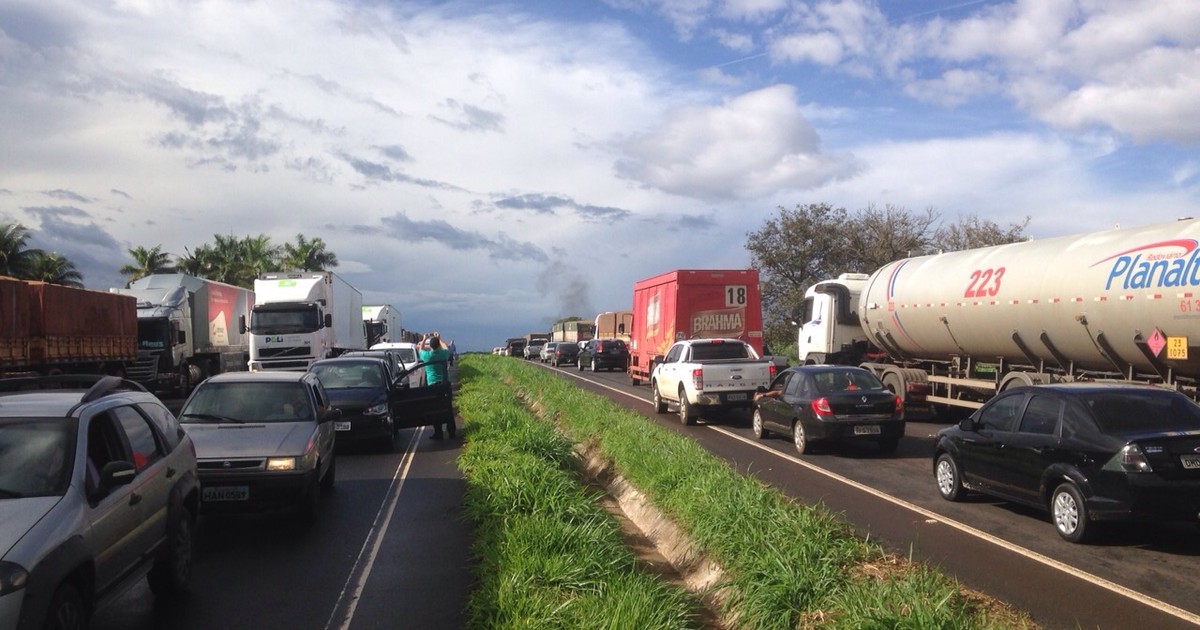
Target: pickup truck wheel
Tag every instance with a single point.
(172, 570)
(799, 438)
(686, 415)
(660, 405)
(756, 426)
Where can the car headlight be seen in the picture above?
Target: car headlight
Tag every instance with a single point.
(12, 577)
(376, 410)
(281, 463)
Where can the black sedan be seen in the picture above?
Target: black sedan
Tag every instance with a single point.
(361, 388)
(819, 403)
(1084, 452)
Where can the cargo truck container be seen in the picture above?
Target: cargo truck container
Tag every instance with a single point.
(951, 330)
(614, 325)
(692, 304)
(302, 316)
(48, 329)
(572, 331)
(189, 328)
(382, 324)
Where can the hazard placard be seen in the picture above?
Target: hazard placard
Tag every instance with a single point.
(1177, 348)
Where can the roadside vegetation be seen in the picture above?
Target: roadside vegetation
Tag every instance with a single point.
(548, 557)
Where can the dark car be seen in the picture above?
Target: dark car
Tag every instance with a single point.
(98, 488)
(824, 403)
(362, 387)
(565, 352)
(1084, 452)
(603, 354)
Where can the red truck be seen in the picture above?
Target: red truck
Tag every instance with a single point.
(692, 304)
(50, 329)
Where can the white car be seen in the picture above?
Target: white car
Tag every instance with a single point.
(406, 356)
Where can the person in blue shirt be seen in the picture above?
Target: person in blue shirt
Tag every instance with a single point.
(436, 357)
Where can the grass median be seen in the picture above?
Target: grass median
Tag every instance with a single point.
(549, 557)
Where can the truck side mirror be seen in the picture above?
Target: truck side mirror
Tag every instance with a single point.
(329, 320)
(182, 336)
(242, 323)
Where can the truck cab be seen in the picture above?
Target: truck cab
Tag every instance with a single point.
(829, 326)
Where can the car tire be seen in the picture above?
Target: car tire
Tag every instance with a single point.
(331, 474)
(66, 611)
(948, 478)
(579, 365)
(686, 415)
(800, 439)
(594, 366)
(172, 571)
(756, 426)
(1069, 513)
(660, 405)
(310, 503)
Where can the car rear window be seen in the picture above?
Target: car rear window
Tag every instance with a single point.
(1149, 411)
(713, 351)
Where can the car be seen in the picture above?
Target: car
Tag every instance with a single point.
(565, 352)
(533, 349)
(362, 387)
(603, 354)
(1083, 452)
(815, 404)
(547, 352)
(98, 489)
(264, 441)
(405, 354)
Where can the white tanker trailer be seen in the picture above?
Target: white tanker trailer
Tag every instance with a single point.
(954, 329)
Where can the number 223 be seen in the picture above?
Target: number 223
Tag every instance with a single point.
(984, 283)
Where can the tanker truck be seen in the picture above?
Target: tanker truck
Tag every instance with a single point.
(949, 331)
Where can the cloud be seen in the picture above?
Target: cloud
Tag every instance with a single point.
(547, 204)
(399, 226)
(749, 146)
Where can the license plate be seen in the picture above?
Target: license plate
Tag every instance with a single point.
(226, 493)
(1190, 461)
(867, 429)
(735, 397)
(341, 426)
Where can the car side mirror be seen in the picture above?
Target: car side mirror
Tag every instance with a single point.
(118, 473)
(969, 424)
(333, 413)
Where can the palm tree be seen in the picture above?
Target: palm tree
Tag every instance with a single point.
(148, 261)
(55, 269)
(15, 258)
(308, 255)
(258, 255)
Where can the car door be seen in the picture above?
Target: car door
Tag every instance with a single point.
(152, 484)
(667, 380)
(421, 405)
(982, 446)
(776, 411)
(1032, 448)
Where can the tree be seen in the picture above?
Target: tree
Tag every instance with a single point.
(15, 257)
(306, 255)
(971, 232)
(232, 260)
(146, 262)
(55, 269)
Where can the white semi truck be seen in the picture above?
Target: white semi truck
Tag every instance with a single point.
(302, 316)
(382, 323)
(949, 331)
(189, 328)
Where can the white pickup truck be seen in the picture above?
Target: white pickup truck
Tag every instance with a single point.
(713, 374)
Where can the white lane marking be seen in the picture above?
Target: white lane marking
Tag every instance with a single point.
(963, 527)
(352, 590)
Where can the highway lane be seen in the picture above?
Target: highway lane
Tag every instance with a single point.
(389, 550)
(1137, 575)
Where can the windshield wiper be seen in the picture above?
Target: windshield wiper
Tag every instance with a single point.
(212, 417)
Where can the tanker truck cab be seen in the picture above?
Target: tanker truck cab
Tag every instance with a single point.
(829, 326)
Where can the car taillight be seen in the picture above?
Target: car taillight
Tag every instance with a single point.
(899, 405)
(698, 379)
(771, 369)
(1129, 459)
(821, 407)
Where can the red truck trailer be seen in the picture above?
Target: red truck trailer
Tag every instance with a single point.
(52, 329)
(692, 304)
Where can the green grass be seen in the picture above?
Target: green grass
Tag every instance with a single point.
(786, 565)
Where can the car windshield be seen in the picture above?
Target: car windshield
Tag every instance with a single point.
(348, 375)
(1146, 411)
(36, 457)
(843, 380)
(407, 355)
(248, 402)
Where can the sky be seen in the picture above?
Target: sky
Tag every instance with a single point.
(490, 167)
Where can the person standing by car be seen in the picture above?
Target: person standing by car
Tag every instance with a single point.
(436, 357)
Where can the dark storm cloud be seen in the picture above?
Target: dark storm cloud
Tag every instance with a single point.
(33, 25)
(548, 204)
(70, 232)
(470, 118)
(395, 152)
(66, 195)
(503, 247)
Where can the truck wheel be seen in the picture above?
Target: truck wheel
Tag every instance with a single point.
(185, 380)
(660, 405)
(686, 415)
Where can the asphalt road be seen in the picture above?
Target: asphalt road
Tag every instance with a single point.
(390, 549)
(1136, 576)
